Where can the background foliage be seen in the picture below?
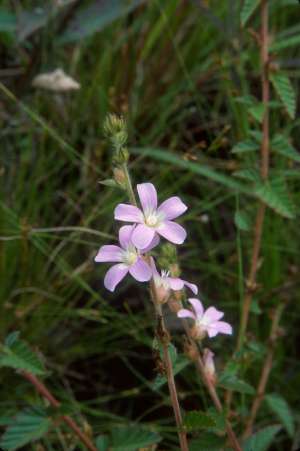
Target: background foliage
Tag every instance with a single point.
(186, 76)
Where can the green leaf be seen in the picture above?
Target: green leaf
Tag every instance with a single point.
(196, 168)
(231, 382)
(95, 17)
(248, 9)
(207, 442)
(262, 439)
(257, 111)
(8, 21)
(281, 145)
(27, 426)
(20, 357)
(132, 438)
(197, 420)
(281, 408)
(274, 194)
(285, 91)
(246, 146)
(242, 221)
(286, 43)
(12, 338)
(102, 443)
(248, 174)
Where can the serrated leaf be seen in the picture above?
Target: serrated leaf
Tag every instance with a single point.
(27, 427)
(230, 382)
(274, 194)
(248, 9)
(132, 438)
(245, 146)
(281, 145)
(20, 357)
(285, 91)
(262, 439)
(197, 420)
(207, 442)
(285, 43)
(281, 408)
(257, 111)
(242, 221)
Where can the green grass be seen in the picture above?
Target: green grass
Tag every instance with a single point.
(174, 71)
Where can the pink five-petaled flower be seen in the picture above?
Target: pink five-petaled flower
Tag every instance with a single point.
(128, 258)
(153, 220)
(206, 322)
(164, 283)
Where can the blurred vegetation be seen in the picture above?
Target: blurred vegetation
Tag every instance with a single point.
(186, 77)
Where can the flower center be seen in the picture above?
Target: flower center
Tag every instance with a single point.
(153, 218)
(130, 255)
(162, 281)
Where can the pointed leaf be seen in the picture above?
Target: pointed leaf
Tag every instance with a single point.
(281, 145)
(242, 221)
(20, 357)
(207, 442)
(27, 426)
(248, 9)
(262, 439)
(285, 90)
(246, 146)
(230, 382)
(281, 408)
(196, 420)
(274, 193)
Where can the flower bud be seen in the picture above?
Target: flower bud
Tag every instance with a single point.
(209, 366)
(198, 332)
(175, 304)
(116, 131)
(119, 177)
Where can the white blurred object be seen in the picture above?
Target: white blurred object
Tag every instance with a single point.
(57, 81)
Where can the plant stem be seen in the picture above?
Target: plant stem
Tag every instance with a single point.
(210, 387)
(42, 390)
(164, 338)
(264, 170)
(265, 373)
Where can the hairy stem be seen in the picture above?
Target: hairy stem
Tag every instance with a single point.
(43, 390)
(264, 170)
(265, 373)
(164, 338)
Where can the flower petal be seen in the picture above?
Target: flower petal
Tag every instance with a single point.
(153, 244)
(175, 283)
(185, 313)
(191, 286)
(140, 270)
(155, 273)
(130, 213)
(142, 236)
(172, 207)
(172, 232)
(212, 314)
(147, 195)
(114, 276)
(109, 253)
(219, 327)
(125, 233)
(197, 306)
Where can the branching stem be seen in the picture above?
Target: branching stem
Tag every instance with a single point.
(43, 390)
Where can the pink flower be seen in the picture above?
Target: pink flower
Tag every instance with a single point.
(153, 220)
(164, 283)
(128, 257)
(205, 321)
